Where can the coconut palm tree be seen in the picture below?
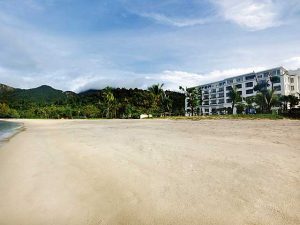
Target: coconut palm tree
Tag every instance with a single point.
(284, 100)
(110, 101)
(167, 104)
(267, 99)
(260, 101)
(270, 99)
(158, 95)
(249, 103)
(293, 100)
(192, 98)
(157, 90)
(235, 97)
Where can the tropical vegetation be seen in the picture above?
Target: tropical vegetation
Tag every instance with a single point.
(47, 102)
(194, 100)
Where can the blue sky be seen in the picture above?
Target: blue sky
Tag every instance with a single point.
(81, 44)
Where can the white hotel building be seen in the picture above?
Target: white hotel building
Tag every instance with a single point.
(215, 96)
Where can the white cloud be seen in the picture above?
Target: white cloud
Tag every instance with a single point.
(127, 79)
(251, 14)
(31, 57)
(173, 79)
(292, 63)
(177, 22)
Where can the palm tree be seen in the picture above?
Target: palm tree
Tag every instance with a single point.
(158, 95)
(249, 103)
(192, 98)
(157, 89)
(260, 101)
(270, 99)
(109, 100)
(268, 96)
(284, 99)
(266, 99)
(167, 104)
(293, 100)
(235, 97)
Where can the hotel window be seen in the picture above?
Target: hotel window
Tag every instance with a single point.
(213, 96)
(276, 81)
(249, 84)
(277, 88)
(228, 100)
(250, 91)
(213, 102)
(292, 80)
(250, 77)
(229, 81)
(240, 93)
(228, 88)
(278, 72)
(266, 74)
(221, 95)
(292, 88)
(259, 76)
(238, 86)
(221, 90)
(213, 91)
(206, 110)
(238, 79)
(221, 101)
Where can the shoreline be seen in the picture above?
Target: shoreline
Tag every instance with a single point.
(11, 132)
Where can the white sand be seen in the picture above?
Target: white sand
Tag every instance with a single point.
(136, 172)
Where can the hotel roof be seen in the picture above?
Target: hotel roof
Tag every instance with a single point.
(238, 76)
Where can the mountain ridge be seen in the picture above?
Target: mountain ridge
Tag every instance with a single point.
(31, 102)
(5, 88)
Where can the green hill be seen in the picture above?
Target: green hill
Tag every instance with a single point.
(47, 102)
(42, 95)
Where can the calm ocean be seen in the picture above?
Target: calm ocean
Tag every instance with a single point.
(8, 129)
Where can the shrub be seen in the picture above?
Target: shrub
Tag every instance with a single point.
(6, 112)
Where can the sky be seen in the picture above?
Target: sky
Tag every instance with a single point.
(89, 44)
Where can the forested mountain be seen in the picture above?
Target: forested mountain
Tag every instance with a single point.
(5, 89)
(40, 95)
(47, 102)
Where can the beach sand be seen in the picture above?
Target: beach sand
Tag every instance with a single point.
(136, 172)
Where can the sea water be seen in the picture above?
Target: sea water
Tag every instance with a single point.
(8, 129)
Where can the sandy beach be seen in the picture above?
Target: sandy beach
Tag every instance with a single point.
(136, 172)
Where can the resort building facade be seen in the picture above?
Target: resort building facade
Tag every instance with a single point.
(215, 95)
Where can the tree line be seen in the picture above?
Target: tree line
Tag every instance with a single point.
(105, 103)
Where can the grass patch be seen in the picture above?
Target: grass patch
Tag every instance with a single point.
(224, 117)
